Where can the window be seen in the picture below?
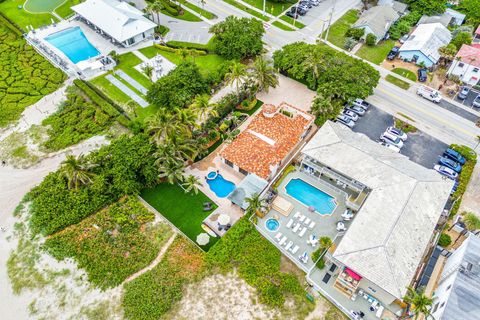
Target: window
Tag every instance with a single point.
(228, 163)
(448, 288)
(443, 303)
(435, 307)
(475, 70)
(461, 64)
(245, 172)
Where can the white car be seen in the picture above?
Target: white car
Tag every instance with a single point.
(350, 114)
(361, 103)
(390, 146)
(358, 110)
(429, 94)
(447, 172)
(343, 119)
(391, 139)
(397, 132)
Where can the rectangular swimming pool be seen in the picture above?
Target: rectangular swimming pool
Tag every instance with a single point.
(311, 196)
(73, 43)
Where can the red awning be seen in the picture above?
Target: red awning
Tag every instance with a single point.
(352, 274)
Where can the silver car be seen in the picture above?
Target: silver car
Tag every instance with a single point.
(350, 114)
(358, 110)
(343, 119)
(476, 102)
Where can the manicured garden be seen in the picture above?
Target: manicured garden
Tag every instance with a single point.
(184, 210)
(377, 53)
(336, 34)
(25, 76)
(112, 244)
(13, 10)
(405, 73)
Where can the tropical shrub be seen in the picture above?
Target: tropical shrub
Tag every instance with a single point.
(371, 39)
(123, 167)
(445, 240)
(111, 244)
(25, 76)
(427, 7)
(462, 38)
(355, 33)
(403, 25)
(350, 43)
(465, 175)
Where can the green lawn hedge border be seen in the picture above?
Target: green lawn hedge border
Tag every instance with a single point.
(465, 175)
(11, 25)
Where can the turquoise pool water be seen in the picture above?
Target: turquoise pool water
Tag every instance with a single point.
(219, 185)
(73, 43)
(311, 196)
(272, 224)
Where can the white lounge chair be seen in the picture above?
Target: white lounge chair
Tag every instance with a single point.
(302, 218)
(290, 222)
(311, 225)
(296, 227)
(302, 233)
(289, 245)
(284, 239)
(296, 215)
(278, 236)
(295, 249)
(307, 221)
(341, 226)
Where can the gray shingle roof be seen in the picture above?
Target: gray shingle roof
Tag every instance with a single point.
(379, 19)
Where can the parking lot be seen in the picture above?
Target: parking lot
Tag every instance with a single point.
(469, 99)
(419, 147)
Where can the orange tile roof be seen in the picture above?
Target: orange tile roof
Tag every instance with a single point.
(267, 140)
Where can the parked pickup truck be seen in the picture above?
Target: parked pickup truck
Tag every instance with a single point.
(361, 103)
(429, 94)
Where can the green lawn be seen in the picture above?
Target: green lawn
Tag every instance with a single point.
(110, 90)
(41, 6)
(336, 34)
(11, 9)
(376, 54)
(207, 63)
(184, 210)
(271, 7)
(64, 10)
(297, 24)
(282, 26)
(199, 10)
(127, 62)
(399, 83)
(187, 16)
(405, 73)
(248, 10)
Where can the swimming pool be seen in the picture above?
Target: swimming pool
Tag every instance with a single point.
(219, 184)
(73, 43)
(311, 196)
(272, 224)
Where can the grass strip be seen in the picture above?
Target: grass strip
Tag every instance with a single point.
(293, 22)
(336, 33)
(187, 16)
(399, 83)
(248, 10)
(203, 12)
(405, 73)
(282, 26)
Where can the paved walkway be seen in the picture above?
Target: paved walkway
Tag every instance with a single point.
(140, 55)
(129, 92)
(131, 81)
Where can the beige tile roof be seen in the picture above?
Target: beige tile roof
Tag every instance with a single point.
(267, 140)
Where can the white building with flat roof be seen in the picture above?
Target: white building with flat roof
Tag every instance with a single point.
(118, 20)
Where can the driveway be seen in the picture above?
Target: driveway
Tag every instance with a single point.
(420, 147)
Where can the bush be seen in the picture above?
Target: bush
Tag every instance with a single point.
(190, 45)
(355, 33)
(371, 39)
(96, 98)
(445, 240)
(465, 175)
(350, 43)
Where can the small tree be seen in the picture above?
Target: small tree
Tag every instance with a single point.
(349, 43)
(445, 240)
(371, 39)
(461, 39)
(355, 33)
(191, 183)
(148, 71)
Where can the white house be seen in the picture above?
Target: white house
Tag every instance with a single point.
(424, 42)
(457, 295)
(118, 20)
(377, 21)
(466, 64)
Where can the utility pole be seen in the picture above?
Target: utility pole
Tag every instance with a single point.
(330, 19)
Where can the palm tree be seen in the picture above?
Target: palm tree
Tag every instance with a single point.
(191, 183)
(187, 118)
(184, 53)
(255, 203)
(148, 71)
(171, 171)
(156, 7)
(471, 221)
(325, 243)
(313, 62)
(202, 107)
(77, 171)
(264, 74)
(420, 303)
(131, 107)
(162, 125)
(237, 73)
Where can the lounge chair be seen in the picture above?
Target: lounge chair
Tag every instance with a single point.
(284, 239)
(207, 206)
(278, 236)
(302, 233)
(296, 227)
(341, 226)
(295, 249)
(307, 221)
(296, 215)
(290, 222)
(289, 245)
(302, 218)
(311, 225)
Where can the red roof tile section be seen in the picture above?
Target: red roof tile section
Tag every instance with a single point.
(469, 54)
(268, 139)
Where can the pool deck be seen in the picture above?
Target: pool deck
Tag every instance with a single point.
(325, 224)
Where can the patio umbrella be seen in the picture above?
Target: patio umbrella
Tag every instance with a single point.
(311, 208)
(203, 239)
(224, 219)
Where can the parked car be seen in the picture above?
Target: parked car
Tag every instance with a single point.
(429, 94)
(455, 156)
(449, 163)
(350, 114)
(306, 4)
(298, 10)
(390, 146)
(403, 38)
(356, 109)
(315, 2)
(447, 172)
(391, 139)
(393, 53)
(343, 119)
(476, 102)
(292, 14)
(422, 74)
(397, 132)
(463, 93)
(361, 103)
(454, 188)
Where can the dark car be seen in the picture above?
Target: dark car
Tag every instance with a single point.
(299, 11)
(463, 93)
(422, 75)
(292, 14)
(393, 53)
(454, 155)
(449, 163)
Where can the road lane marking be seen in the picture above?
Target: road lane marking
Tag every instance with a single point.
(432, 115)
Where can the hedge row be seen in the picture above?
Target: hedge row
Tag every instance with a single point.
(176, 51)
(465, 175)
(190, 45)
(96, 98)
(11, 25)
